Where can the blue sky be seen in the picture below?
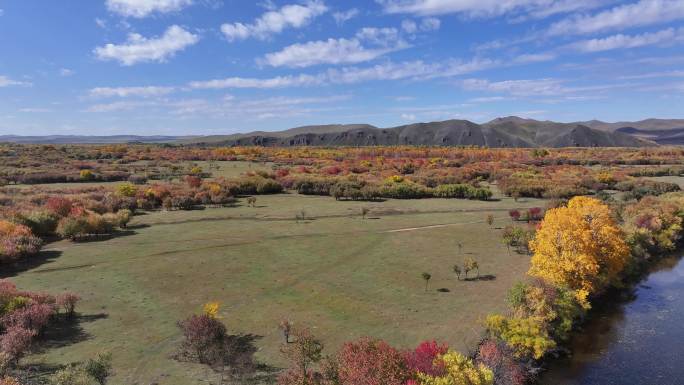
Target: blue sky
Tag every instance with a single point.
(182, 67)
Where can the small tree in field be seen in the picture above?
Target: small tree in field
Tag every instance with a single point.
(251, 201)
(469, 265)
(515, 215)
(490, 220)
(67, 301)
(457, 271)
(304, 351)
(364, 212)
(426, 277)
(285, 327)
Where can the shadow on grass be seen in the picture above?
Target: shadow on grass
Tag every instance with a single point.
(29, 263)
(138, 226)
(236, 360)
(105, 237)
(486, 277)
(443, 290)
(65, 331)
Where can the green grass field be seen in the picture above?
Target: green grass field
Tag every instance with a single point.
(339, 274)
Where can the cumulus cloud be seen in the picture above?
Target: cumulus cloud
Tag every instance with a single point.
(123, 92)
(139, 49)
(275, 21)
(642, 13)
(8, 82)
(426, 25)
(366, 45)
(343, 17)
(143, 8)
(621, 41)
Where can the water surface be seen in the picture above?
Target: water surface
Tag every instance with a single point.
(636, 338)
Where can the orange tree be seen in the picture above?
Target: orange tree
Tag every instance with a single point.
(580, 247)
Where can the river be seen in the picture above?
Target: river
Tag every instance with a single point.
(637, 338)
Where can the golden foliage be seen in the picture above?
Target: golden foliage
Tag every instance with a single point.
(527, 337)
(211, 309)
(460, 370)
(580, 247)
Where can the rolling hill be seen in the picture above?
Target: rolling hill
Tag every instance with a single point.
(501, 132)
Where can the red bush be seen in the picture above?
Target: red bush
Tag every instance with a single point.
(422, 359)
(15, 342)
(33, 317)
(67, 301)
(58, 205)
(371, 362)
(515, 214)
(203, 336)
(507, 371)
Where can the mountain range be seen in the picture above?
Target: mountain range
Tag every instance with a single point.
(509, 131)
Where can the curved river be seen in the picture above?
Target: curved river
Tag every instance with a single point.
(635, 339)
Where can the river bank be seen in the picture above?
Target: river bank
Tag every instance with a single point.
(633, 337)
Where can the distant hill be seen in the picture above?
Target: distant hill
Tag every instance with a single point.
(661, 131)
(321, 129)
(501, 132)
(508, 131)
(85, 139)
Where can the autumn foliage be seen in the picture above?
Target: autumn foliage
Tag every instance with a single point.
(579, 246)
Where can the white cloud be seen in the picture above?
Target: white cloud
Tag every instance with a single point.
(487, 99)
(7, 82)
(430, 24)
(516, 87)
(563, 6)
(101, 23)
(65, 72)
(140, 49)
(275, 21)
(621, 41)
(123, 92)
(534, 58)
(652, 75)
(276, 82)
(143, 8)
(343, 17)
(642, 13)
(539, 87)
(34, 110)
(409, 26)
(409, 117)
(489, 8)
(366, 45)
(121, 106)
(426, 25)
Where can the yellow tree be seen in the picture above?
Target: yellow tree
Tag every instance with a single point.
(459, 370)
(580, 247)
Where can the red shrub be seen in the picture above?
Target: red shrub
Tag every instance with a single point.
(422, 359)
(67, 301)
(507, 371)
(515, 214)
(332, 170)
(16, 341)
(58, 205)
(193, 181)
(203, 336)
(371, 362)
(33, 317)
(282, 172)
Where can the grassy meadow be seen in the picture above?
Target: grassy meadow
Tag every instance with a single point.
(340, 274)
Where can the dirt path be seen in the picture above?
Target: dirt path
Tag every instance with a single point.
(435, 226)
